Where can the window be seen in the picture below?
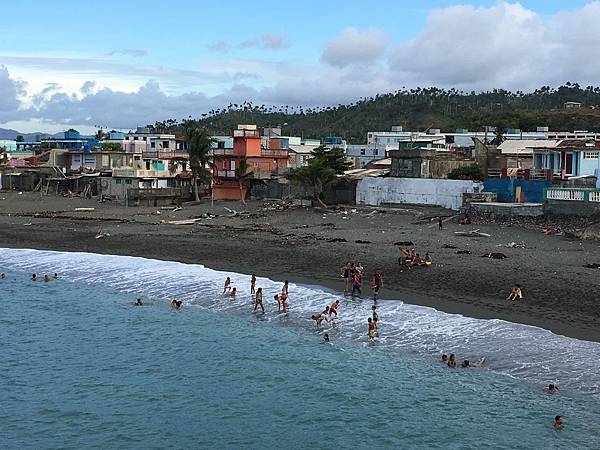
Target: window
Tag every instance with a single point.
(126, 138)
(118, 181)
(165, 144)
(135, 138)
(362, 151)
(144, 137)
(128, 181)
(152, 144)
(375, 152)
(590, 155)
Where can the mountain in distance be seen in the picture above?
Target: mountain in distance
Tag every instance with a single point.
(10, 134)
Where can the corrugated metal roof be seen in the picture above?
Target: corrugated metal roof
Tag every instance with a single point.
(525, 146)
(302, 149)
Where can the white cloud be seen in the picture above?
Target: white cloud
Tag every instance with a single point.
(133, 52)
(502, 46)
(10, 91)
(353, 47)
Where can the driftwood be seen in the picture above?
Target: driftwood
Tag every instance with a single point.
(473, 233)
(183, 222)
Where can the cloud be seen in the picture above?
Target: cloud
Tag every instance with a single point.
(87, 87)
(268, 41)
(502, 46)
(133, 52)
(10, 91)
(353, 47)
(219, 46)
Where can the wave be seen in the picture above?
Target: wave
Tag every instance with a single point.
(520, 351)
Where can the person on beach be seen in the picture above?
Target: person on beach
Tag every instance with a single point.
(34, 277)
(558, 423)
(376, 324)
(326, 337)
(552, 388)
(376, 283)
(452, 360)
(515, 293)
(346, 276)
(440, 223)
(233, 293)
(227, 286)
(138, 302)
(371, 331)
(427, 260)
(252, 284)
(258, 300)
(356, 283)
(477, 365)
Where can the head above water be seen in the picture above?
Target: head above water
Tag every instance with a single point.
(465, 363)
(369, 320)
(559, 419)
(326, 337)
(444, 357)
(2, 276)
(552, 387)
(452, 356)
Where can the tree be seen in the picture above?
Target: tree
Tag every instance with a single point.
(335, 158)
(472, 172)
(20, 138)
(111, 147)
(100, 134)
(201, 157)
(241, 173)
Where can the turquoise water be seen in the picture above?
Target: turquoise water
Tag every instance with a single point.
(81, 367)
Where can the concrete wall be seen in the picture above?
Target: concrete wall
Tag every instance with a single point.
(507, 210)
(419, 191)
(505, 188)
(571, 208)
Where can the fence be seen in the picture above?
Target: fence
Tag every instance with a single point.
(572, 201)
(573, 195)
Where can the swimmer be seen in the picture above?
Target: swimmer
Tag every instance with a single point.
(46, 278)
(233, 293)
(318, 318)
(371, 332)
(452, 360)
(34, 277)
(252, 284)
(55, 276)
(176, 304)
(227, 286)
(258, 300)
(2, 276)
(477, 365)
(552, 388)
(326, 337)
(558, 423)
(138, 302)
(445, 358)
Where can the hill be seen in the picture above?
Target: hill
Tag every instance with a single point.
(415, 109)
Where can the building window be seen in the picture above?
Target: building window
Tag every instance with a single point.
(375, 152)
(128, 181)
(118, 181)
(135, 138)
(126, 138)
(144, 137)
(165, 144)
(590, 155)
(362, 151)
(152, 144)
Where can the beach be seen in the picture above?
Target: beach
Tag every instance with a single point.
(308, 246)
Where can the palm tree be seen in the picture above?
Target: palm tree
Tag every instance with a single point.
(201, 157)
(241, 173)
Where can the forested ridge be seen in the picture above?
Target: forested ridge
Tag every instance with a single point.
(414, 109)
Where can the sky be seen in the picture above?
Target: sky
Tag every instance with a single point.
(122, 64)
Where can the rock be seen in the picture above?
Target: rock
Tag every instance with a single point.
(591, 232)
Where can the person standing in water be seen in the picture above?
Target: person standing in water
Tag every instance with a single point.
(233, 293)
(285, 288)
(346, 277)
(377, 283)
(252, 284)
(356, 283)
(227, 286)
(258, 300)
(371, 331)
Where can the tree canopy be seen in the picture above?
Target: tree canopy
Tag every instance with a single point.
(200, 151)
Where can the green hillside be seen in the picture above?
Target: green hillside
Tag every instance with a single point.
(415, 109)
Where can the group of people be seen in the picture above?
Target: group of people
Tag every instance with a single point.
(46, 277)
(450, 361)
(352, 274)
(281, 299)
(329, 314)
(409, 258)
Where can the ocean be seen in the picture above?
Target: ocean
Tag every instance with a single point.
(83, 368)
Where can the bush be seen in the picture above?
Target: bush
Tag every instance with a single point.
(472, 172)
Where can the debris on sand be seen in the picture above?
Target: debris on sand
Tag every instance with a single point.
(449, 246)
(515, 245)
(495, 255)
(592, 266)
(472, 233)
(84, 209)
(404, 243)
(183, 222)
(359, 241)
(552, 231)
(102, 235)
(463, 252)
(336, 240)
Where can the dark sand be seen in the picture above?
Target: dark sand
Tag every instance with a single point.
(559, 293)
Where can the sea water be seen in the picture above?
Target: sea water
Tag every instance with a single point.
(82, 367)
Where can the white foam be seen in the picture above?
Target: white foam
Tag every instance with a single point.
(520, 351)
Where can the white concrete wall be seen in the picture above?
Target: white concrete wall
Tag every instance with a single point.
(418, 191)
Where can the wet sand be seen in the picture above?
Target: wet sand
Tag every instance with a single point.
(309, 246)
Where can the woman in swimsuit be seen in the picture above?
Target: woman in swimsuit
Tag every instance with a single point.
(258, 300)
(252, 284)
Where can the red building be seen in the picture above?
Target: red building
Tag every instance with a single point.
(264, 157)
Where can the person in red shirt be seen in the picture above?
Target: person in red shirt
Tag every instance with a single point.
(376, 283)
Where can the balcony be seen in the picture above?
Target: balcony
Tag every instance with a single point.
(274, 153)
(222, 151)
(246, 133)
(165, 154)
(226, 173)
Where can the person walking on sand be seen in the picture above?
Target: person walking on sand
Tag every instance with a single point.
(376, 283)
(346, 276)
(356, 283)
(440, 223)
(252, 284)
(371, 331)
(515, 293)
(258, 300)
(227, 286)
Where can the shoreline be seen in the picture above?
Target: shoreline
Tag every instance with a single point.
(308, 246)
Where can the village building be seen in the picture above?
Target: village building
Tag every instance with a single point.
(568, 158)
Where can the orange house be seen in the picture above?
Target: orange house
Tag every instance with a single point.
(264, 156)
